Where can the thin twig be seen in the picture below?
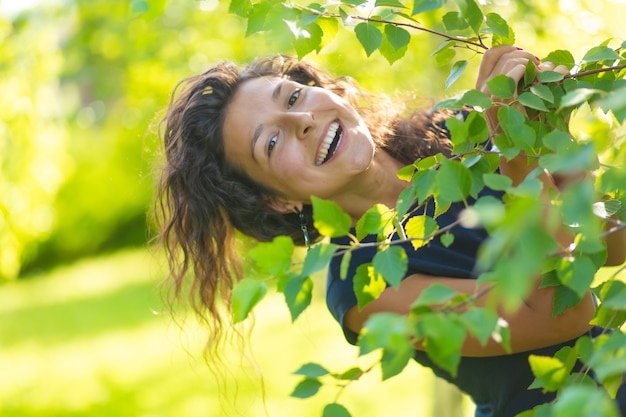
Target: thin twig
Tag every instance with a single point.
(596, 71)
(389, 22)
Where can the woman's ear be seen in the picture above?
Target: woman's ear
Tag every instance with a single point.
(285, 206)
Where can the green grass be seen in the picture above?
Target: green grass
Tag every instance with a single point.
(91, 339)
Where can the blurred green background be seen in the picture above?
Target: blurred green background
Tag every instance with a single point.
(82, 328)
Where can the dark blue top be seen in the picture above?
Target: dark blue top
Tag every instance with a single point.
(498, 384)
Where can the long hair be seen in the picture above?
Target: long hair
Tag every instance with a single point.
(202, 200)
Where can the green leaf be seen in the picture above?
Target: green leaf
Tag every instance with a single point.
(557, 140)
(435, 294)
(497, 182)
(397, 36)
(502, 86)
(497, 24)
(329, 219)
(298, 295)
(420, 6)
(368, 285)
(561, 57)
(240, 7)
(377, 219)
(443, 337)
(575, 97)
(481, 322)
(351, 374)
(550, 373)
(306, 388)
(369, 36)
(454, 180)
(335, 410)
(614, 296)
(549, 76)
(472, 14)
(273, 258)
(390, 3)
(543, 91)
(615, 102)
(564, 298)
(455, 72)
(312, 370)
(447, 239)
(345, 265)
(246, 294)
(476, 99)
(579, 400)
(318, 258)
(257, 17)
(392, 264)
(577, 275)
(420, 229)
(600, 53)
(532, 101)
(454, 21)
(390, 332)
(306, 39)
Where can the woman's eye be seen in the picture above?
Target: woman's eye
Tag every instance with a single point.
(271, 144)
(294, 97)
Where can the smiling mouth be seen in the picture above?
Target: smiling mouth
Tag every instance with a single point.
(330, 143)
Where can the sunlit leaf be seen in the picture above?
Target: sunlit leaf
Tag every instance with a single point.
(298, 294)
(375, 220)
(246, 294)
(420, 229)
(329, 219)
(550, 373)
(273, 257)
(368, 285)
(318, 258)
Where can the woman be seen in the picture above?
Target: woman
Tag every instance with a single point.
(246, 150)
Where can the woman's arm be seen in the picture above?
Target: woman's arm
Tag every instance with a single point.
(531, 327)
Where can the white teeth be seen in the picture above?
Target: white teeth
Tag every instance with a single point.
(325, 146)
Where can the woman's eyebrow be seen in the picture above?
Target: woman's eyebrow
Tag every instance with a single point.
(276, 91)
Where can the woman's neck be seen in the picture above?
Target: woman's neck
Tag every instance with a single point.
(378, 185)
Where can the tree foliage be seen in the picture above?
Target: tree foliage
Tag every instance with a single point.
(519, 247)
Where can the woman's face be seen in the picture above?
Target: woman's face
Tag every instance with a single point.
(295, 139)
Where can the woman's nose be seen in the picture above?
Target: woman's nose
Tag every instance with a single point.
(302, 123)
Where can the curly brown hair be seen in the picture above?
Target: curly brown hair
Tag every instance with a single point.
(202, 200)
